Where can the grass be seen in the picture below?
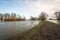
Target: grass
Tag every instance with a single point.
(29, 33)
(43, 31)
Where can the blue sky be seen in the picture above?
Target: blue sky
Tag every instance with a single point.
(29, 7)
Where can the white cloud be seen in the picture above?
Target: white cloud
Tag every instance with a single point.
(37, 6)
(49, 6)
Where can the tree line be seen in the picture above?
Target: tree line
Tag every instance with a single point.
(13, 17)
(10, 17)
(43, 16)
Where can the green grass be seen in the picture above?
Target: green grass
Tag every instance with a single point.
(29, 33)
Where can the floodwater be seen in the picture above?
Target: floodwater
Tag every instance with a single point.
(8, 29)
(55, 21)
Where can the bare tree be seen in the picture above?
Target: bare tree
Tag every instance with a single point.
(43, 16)
(6, 16)
(24, 17)
(57, 15)
(13, 15)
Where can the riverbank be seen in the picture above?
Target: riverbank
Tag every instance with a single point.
(29, 33)
(43, 31)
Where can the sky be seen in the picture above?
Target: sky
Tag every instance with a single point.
(29, 7)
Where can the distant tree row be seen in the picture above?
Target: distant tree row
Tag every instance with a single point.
(13, 17)
(10, 17)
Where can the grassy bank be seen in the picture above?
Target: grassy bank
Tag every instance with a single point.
(43, 31)
(29, 33)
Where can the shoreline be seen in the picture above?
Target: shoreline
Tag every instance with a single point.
(39, 31)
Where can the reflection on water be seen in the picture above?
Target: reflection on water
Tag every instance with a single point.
(13, 28)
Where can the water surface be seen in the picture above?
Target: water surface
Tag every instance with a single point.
(55, 21)
(8, 29)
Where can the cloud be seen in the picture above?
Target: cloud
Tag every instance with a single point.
(36, 6)
(56, 5)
